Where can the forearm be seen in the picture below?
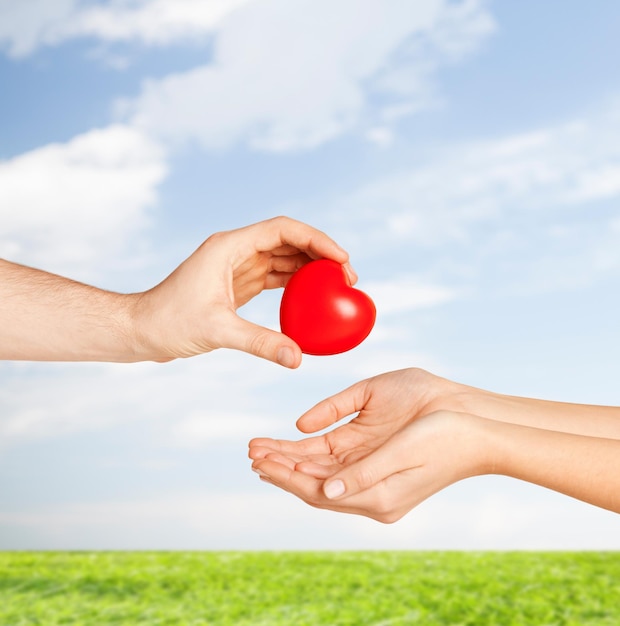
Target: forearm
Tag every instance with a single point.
(586, 468)
(582, 419)
(44, 317)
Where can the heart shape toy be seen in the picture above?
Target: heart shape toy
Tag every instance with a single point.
(322, 313)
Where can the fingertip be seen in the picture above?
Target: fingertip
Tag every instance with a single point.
(289, 357)
(260, 441)
(304, 425)
(259, 448)
(256, 453)
(344, 258)
(299, 424)
(350, 272)
(259, 471)
(321, 415)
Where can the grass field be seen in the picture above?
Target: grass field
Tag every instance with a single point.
(309, 588)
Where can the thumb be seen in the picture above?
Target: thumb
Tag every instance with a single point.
(389, 459)
(260, 341)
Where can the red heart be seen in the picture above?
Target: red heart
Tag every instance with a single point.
(322, 313)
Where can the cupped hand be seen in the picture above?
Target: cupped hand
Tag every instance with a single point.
(383, 462)
(195, 309)
(383, 481)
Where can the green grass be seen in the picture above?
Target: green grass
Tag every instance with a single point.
(309, 588)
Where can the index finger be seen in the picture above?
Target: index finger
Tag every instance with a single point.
(285, 231)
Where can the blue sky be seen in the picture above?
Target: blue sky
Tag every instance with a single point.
(466, 153)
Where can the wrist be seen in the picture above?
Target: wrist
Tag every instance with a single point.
(480, 439)
(122, 340)
(468, 443)
(491, 436)
(145, 341)
(129, 328)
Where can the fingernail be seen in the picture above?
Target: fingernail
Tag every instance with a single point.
(334, 489)
(286, 357)
(259, 472)
(352, 274)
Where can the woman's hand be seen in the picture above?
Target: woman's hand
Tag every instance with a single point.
(398, 430)
(377, 472)
(411, 439)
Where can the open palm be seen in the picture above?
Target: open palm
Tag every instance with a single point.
(395, 409)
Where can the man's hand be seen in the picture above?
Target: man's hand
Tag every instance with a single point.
(44, 317)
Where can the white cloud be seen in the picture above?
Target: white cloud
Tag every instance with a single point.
(291, 76)
(380, 136)
(204, 428)
(30, 24)
(25, 25)
(480, 514)
(77, 397)
(586, 250)
(154, 22)
(63, 206)
(224, 396)
(284, 76)
(188, 402)
(561, 167)
(407, 293)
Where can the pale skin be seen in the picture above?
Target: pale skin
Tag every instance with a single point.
(415, 433)
(45, 317)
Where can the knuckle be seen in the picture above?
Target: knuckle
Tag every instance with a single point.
(215, 238)
(214, 241)
(332, 409)
(415, 372)
(365, 477)
(280, 220)
(258, 343)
